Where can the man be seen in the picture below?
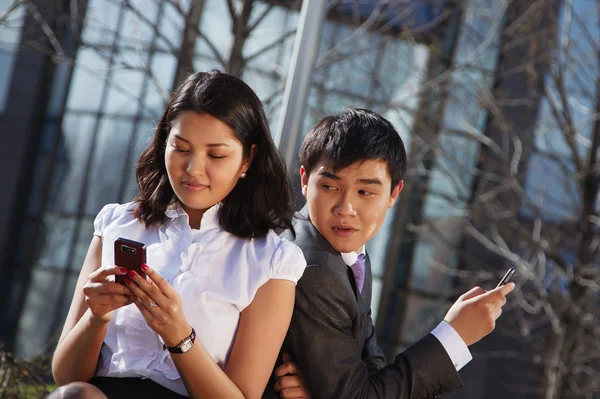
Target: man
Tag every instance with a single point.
(352, 165)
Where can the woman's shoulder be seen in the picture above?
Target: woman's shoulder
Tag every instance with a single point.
(285, 259)
(113, 213)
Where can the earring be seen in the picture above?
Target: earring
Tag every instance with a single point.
(243, 175)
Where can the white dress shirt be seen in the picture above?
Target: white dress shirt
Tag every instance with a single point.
(452, 342)
(215, 273)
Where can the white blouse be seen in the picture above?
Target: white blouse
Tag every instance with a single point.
(215, 273)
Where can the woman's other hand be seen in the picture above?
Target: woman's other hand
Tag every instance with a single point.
(103, 296)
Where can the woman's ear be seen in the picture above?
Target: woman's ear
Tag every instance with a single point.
(250, 158)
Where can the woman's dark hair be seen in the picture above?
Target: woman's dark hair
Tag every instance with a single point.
(351, 136)
(261, 201)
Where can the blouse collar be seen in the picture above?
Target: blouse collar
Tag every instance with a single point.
(210, 219)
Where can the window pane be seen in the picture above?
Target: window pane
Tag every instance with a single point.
(42, 168)
(205, 63)
(84, 238)
(59, 89)
(375, 297)
(377, 247)
(272, 38)
(551, 190)
(451, 177)
(171, 28)
(6, 67)
(126, 85)
(88, 80)
(64, 309)
(34, 324)
(421, 316)
(143, 137)
(159, 87)
(108, 165)
(58, 234)
(434, 259)
(10, 28)
(137, 28)
(215, 26)
(10, 33)
(101, 19)
(71, 163)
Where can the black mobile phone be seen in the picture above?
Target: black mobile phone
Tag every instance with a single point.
(130, 255)
(507, 277)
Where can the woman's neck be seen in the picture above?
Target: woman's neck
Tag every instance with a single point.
(194, 216)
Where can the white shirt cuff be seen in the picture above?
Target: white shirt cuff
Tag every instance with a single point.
(454, 345)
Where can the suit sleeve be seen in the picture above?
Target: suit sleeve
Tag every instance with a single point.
(322, 343)
(371, 352)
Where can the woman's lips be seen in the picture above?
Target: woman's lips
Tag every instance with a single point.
(194, 186)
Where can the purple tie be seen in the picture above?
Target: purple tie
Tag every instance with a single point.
(358, 268)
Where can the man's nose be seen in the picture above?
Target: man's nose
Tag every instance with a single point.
(344, 206)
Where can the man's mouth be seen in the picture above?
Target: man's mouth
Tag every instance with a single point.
(343, 230)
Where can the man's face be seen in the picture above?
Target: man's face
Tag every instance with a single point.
(348, 206)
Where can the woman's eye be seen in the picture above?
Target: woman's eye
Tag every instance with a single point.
(177, 149)
(217, 156)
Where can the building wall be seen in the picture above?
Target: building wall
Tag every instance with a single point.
(75, 131)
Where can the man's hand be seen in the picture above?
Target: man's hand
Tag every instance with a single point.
(474, 314)
(290, 380)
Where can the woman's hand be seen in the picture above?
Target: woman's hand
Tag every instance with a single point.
(103, 296)
(160, 305)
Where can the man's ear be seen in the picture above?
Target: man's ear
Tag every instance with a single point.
(303, 180)
(395, 192)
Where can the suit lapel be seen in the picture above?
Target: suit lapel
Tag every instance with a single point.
(315, 241)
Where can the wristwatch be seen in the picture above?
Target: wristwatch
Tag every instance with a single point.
(184, 346)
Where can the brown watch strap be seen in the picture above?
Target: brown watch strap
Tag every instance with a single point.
(177, 348)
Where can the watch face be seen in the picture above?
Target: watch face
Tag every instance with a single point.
(186, 346)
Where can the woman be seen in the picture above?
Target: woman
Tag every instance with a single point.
(209, 319)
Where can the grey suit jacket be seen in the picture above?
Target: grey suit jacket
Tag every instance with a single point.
(332, 338)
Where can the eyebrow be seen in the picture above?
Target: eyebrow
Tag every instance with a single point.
(208, 145)
(371, 181)
(329, 175)
(333, 176)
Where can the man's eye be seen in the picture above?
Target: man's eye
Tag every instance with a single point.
(366, 193)
(328, 187)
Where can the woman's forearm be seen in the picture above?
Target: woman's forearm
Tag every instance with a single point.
(202, 376)
(76, 356)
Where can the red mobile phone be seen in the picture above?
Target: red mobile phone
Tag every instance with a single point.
(130, 255)
(507, 277)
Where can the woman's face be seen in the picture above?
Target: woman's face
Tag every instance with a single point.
(204, 161)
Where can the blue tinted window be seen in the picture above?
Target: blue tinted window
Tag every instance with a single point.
(404, 14)
(10, 33)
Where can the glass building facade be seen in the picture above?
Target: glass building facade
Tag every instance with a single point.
(429, 67)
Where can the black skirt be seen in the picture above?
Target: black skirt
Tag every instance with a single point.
(127, 388)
